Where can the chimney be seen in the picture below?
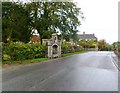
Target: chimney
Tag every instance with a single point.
(83, 33)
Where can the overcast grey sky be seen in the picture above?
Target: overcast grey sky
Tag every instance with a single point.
(101, 18)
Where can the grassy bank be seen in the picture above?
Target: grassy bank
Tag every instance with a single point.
(38, 59)
(69, 54)
(26, 61)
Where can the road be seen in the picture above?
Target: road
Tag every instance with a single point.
(91, 71)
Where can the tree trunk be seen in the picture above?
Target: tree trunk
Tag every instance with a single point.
(40, 40)
(61, 38)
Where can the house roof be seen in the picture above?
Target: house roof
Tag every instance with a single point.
(87, 36)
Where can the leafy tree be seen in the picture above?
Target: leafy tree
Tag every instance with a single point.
(102, 45)
(15, 22)
(60, 17)
(45, 17)
(6, 26)
(116, 48)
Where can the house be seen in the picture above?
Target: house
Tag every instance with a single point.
(88, 41)
(35, 39)
(87, 37)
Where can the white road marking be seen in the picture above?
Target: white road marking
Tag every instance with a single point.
(113, 61)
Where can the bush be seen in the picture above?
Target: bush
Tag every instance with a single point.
(65, 48)
(76, 48)
(68, 48)
(92, 46)
(21, 51)
(6, 57)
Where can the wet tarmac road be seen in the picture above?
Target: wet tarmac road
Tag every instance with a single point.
(91, 71)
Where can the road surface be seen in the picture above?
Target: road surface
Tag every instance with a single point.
(91, 71)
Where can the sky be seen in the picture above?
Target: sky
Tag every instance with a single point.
(101, 18)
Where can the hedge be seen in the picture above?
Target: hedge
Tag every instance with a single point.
(21, 51)
(117, 50)
(16, 51)
(69, 48)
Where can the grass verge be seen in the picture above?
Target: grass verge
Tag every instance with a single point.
(69, 54)
(38, 59)
(26, 61)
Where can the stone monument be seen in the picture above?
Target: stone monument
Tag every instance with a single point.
(54, 46)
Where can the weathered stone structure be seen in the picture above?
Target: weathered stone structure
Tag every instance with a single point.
(54, 46)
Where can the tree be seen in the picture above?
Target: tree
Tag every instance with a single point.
(102, 45)
(6, 26)
(15, 22)
(116, 48)
(60, 17)
(46, 17)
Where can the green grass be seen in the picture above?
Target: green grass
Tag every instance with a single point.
(69, 54)
(25, 61)
(38, 59)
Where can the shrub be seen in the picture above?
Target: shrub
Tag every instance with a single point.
(77, 48)
(6, 57)
(64, 48)
(92, 46)
(21, 51)
(69, 48)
